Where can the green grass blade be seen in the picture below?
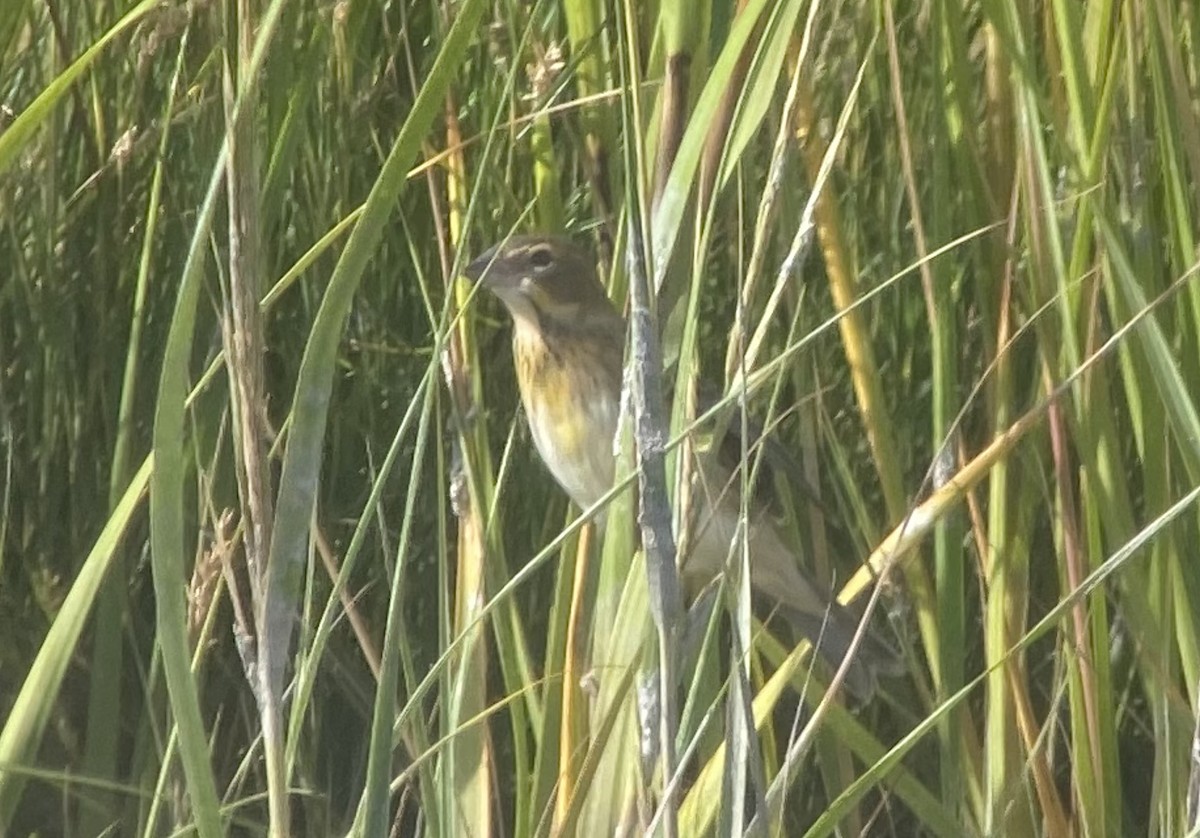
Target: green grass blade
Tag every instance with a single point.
(14, 139)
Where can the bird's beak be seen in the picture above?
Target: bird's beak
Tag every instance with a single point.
(476, 269)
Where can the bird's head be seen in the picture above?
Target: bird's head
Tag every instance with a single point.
(542, 280)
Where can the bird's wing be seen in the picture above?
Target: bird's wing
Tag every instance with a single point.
(734, 442)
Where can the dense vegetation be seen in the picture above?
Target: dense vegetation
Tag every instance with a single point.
(276, 553)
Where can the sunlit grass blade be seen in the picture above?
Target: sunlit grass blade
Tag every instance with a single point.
(15, 137)
(30, 713)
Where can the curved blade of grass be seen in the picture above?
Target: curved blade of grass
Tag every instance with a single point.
(376, 805)
(14, 138)
(167, 536)
(763, 79)
(310, 409)
(1173, 390)
(668, 212)
(608, 775)
(104, 702)
(167, 524)
(310, 405)
(22, 733)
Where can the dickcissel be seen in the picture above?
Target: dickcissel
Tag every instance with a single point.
(568, 342)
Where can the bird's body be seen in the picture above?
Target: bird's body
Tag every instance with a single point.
(571, 392)
(568, 343)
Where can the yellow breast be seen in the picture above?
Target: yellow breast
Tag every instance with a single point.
(572, 400)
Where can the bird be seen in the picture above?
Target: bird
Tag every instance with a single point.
(568, 349)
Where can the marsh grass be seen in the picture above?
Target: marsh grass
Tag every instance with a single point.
(276, 555)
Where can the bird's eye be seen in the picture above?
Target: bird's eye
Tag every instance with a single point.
(541, 257)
